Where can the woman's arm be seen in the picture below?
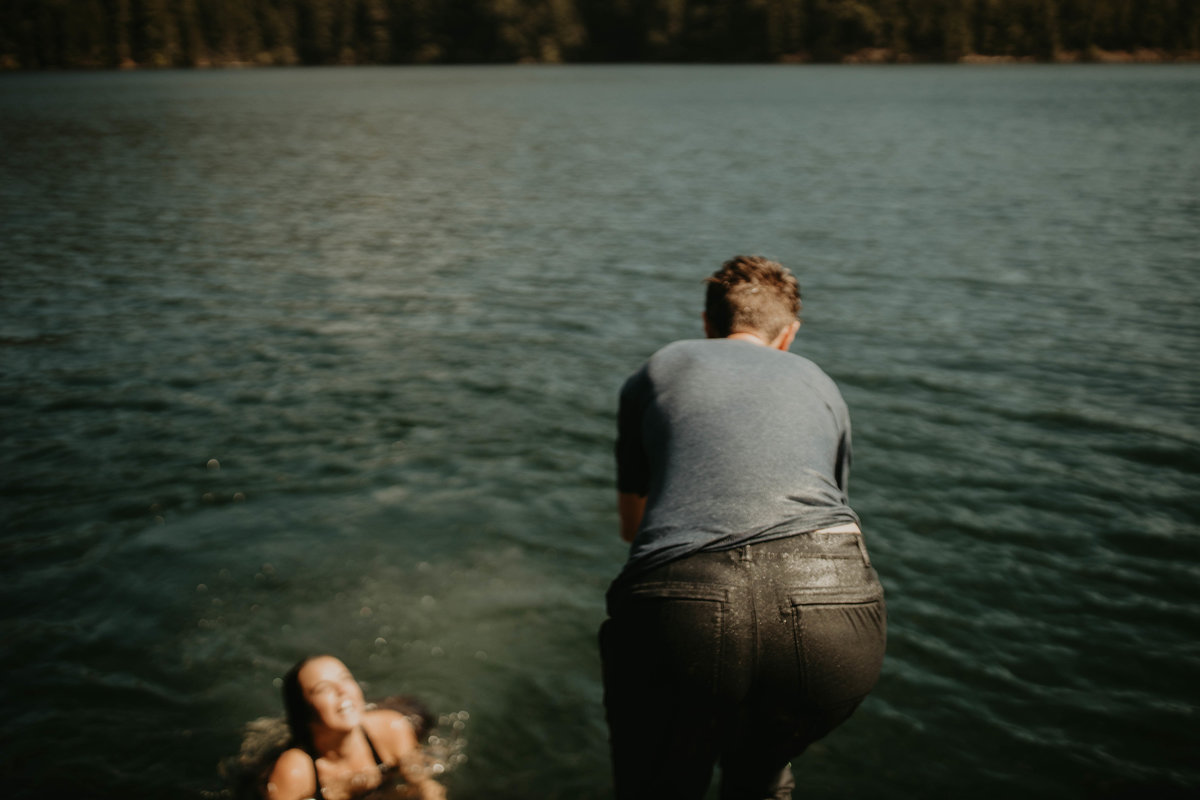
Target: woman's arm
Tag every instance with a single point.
(397, 742)
(391, 732)
(293, 778)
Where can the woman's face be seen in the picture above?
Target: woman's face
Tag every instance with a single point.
(333, 693)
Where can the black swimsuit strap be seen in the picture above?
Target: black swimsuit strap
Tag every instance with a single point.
(317, 795)
(370, 744)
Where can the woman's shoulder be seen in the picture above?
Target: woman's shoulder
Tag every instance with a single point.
(292, 777)
(390, 731)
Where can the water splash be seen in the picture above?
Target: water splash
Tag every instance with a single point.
(416, 777)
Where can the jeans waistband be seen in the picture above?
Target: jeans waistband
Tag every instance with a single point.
(827, 563)
(814, 544)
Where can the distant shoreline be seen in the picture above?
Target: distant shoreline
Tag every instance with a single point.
(869, 56)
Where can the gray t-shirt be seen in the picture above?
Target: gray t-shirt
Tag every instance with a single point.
(733, 443)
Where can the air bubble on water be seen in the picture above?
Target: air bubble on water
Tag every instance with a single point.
(428, 602)
(213, 464)
(481, 655)
(445, 749)
(437, 651)
(380, 642)
(365, 611)
(239, 497)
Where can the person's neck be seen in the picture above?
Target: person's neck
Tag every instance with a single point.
(333, 745)
(747, 336)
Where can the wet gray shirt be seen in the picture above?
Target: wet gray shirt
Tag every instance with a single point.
(733, 443)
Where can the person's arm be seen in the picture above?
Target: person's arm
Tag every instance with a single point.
(630, 507)
(391, 732)
(633, 467)
(397, 741)
(293, 777)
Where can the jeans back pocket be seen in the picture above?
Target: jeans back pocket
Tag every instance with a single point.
(840, 638)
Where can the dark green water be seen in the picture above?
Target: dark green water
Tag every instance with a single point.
(395, 306)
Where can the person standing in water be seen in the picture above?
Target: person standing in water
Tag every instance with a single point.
(747, 622)
(341, 749)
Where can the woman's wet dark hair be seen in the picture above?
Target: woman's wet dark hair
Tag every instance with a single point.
(296, 706)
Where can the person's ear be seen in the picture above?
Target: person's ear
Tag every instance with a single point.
(784, 340)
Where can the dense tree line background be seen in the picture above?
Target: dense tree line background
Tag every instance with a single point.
(38, 34)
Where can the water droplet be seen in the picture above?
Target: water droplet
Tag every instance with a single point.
(213, 464)
(239, 497)
(380, 642)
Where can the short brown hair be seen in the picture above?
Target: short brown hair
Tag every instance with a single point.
(754, 294)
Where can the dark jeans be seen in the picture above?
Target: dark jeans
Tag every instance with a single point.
(743, 657)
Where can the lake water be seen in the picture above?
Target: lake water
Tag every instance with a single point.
(316, 360)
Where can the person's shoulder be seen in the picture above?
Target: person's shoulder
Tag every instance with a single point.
(812, 374)
(390, 730)
(292, 777)
(804, 364)
(682, 347)
(683, 350)
(640, 379)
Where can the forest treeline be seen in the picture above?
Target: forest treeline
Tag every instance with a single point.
(41, 34)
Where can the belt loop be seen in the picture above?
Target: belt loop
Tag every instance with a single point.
(862, 548)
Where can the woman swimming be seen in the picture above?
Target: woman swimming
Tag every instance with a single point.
(341, 749)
